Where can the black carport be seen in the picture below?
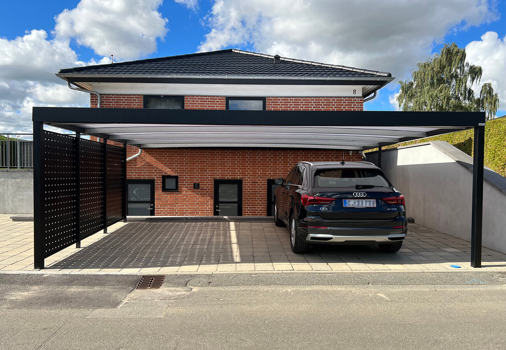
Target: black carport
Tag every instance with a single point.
(80, 185)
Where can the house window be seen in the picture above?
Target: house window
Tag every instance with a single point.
(164, 102)
(169, 183)
(246, 104)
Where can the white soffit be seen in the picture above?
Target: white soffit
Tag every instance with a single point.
(329, 137)
(229, 90)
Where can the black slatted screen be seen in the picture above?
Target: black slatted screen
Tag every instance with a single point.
(59, 189)
(72, 190)
(115, 184)
(92, 187)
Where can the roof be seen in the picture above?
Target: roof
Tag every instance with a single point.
(227, 64)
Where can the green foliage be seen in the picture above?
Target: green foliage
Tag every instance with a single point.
(495, 143)
(444, 83)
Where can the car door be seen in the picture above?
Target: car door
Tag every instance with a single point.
(284, 201)
(292, 194)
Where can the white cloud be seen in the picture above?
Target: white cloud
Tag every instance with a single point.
(490, 54)
(28, 63)
(191, 4)
(388, 35)
(393, 100)
(126, 28)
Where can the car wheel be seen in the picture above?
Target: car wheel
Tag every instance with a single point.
(277, 222)
(390, 247)
(297, 239)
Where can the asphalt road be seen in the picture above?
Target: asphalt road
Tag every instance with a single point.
(349, 310)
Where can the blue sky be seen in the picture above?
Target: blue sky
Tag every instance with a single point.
(391, 36)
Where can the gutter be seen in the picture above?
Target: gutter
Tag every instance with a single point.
(371, 96)
(135, 155)
(77, 88)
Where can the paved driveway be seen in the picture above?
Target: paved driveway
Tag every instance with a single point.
(209, 247)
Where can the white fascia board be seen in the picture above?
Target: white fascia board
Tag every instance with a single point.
(229, 90)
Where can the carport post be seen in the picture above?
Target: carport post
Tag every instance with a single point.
(125, 188)
(78, 189)
(477, 204)
(105, 185)
(38, 200)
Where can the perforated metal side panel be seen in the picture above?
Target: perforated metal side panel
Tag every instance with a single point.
(91, 187)
(115, 184)
(60, 192)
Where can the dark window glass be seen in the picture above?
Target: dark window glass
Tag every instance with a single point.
(139, 192)
(164, 102)
(349, 178)
(169, 183)
(238, 104)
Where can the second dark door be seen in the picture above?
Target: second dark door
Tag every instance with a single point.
(228, 197)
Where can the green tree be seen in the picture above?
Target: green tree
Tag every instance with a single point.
(444, 83)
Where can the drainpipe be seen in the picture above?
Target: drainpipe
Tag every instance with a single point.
(370, 97)
(84, 90)
(135, 155)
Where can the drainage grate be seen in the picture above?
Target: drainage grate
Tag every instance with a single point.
(150, 282)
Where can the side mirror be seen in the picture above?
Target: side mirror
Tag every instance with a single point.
(278, 181)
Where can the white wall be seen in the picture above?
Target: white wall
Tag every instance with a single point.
(436, 179)
(16, 192)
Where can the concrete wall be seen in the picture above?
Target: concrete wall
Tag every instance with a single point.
(16, 192)
(436, 179)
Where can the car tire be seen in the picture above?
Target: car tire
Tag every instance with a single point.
(277, 222)
(390, 247)
(298, 241)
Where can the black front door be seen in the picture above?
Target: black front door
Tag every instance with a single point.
(271, 187)
(141, 197)
(228, 197)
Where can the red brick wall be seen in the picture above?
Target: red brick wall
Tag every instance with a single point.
(203, 165)
(205, 102)
(314, 103)
(117, 101)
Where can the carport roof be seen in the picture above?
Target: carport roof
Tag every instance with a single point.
(351, 130)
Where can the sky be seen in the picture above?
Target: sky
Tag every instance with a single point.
(38, 38)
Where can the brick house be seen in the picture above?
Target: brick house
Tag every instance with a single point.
(199, 174)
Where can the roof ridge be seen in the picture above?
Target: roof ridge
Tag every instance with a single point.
(329, 65)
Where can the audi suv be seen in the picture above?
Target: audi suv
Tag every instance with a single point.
(340, 203)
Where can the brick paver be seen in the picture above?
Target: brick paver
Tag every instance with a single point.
(224, 247)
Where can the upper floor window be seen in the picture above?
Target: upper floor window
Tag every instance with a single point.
(246, 103)
(164, 102)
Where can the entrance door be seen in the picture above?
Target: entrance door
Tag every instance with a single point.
(271, 187)
(228, 197)
(141, 197)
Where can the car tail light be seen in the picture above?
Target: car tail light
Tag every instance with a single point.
(314, 200)
(399, 200)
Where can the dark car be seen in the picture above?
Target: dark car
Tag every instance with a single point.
(340, 202)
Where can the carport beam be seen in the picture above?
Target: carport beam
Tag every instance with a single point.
(477, 203)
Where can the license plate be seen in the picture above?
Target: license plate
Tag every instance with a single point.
(359, 203)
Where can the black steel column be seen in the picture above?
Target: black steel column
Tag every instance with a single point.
(379, 156)
(477, 204)
(105, 185)
(125, 186)
(38, 197)
(78, 190)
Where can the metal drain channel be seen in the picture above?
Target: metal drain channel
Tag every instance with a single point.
(150, 282)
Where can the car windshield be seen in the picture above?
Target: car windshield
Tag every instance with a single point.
(358, 178)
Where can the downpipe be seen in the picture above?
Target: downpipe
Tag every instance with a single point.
(77, 88)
